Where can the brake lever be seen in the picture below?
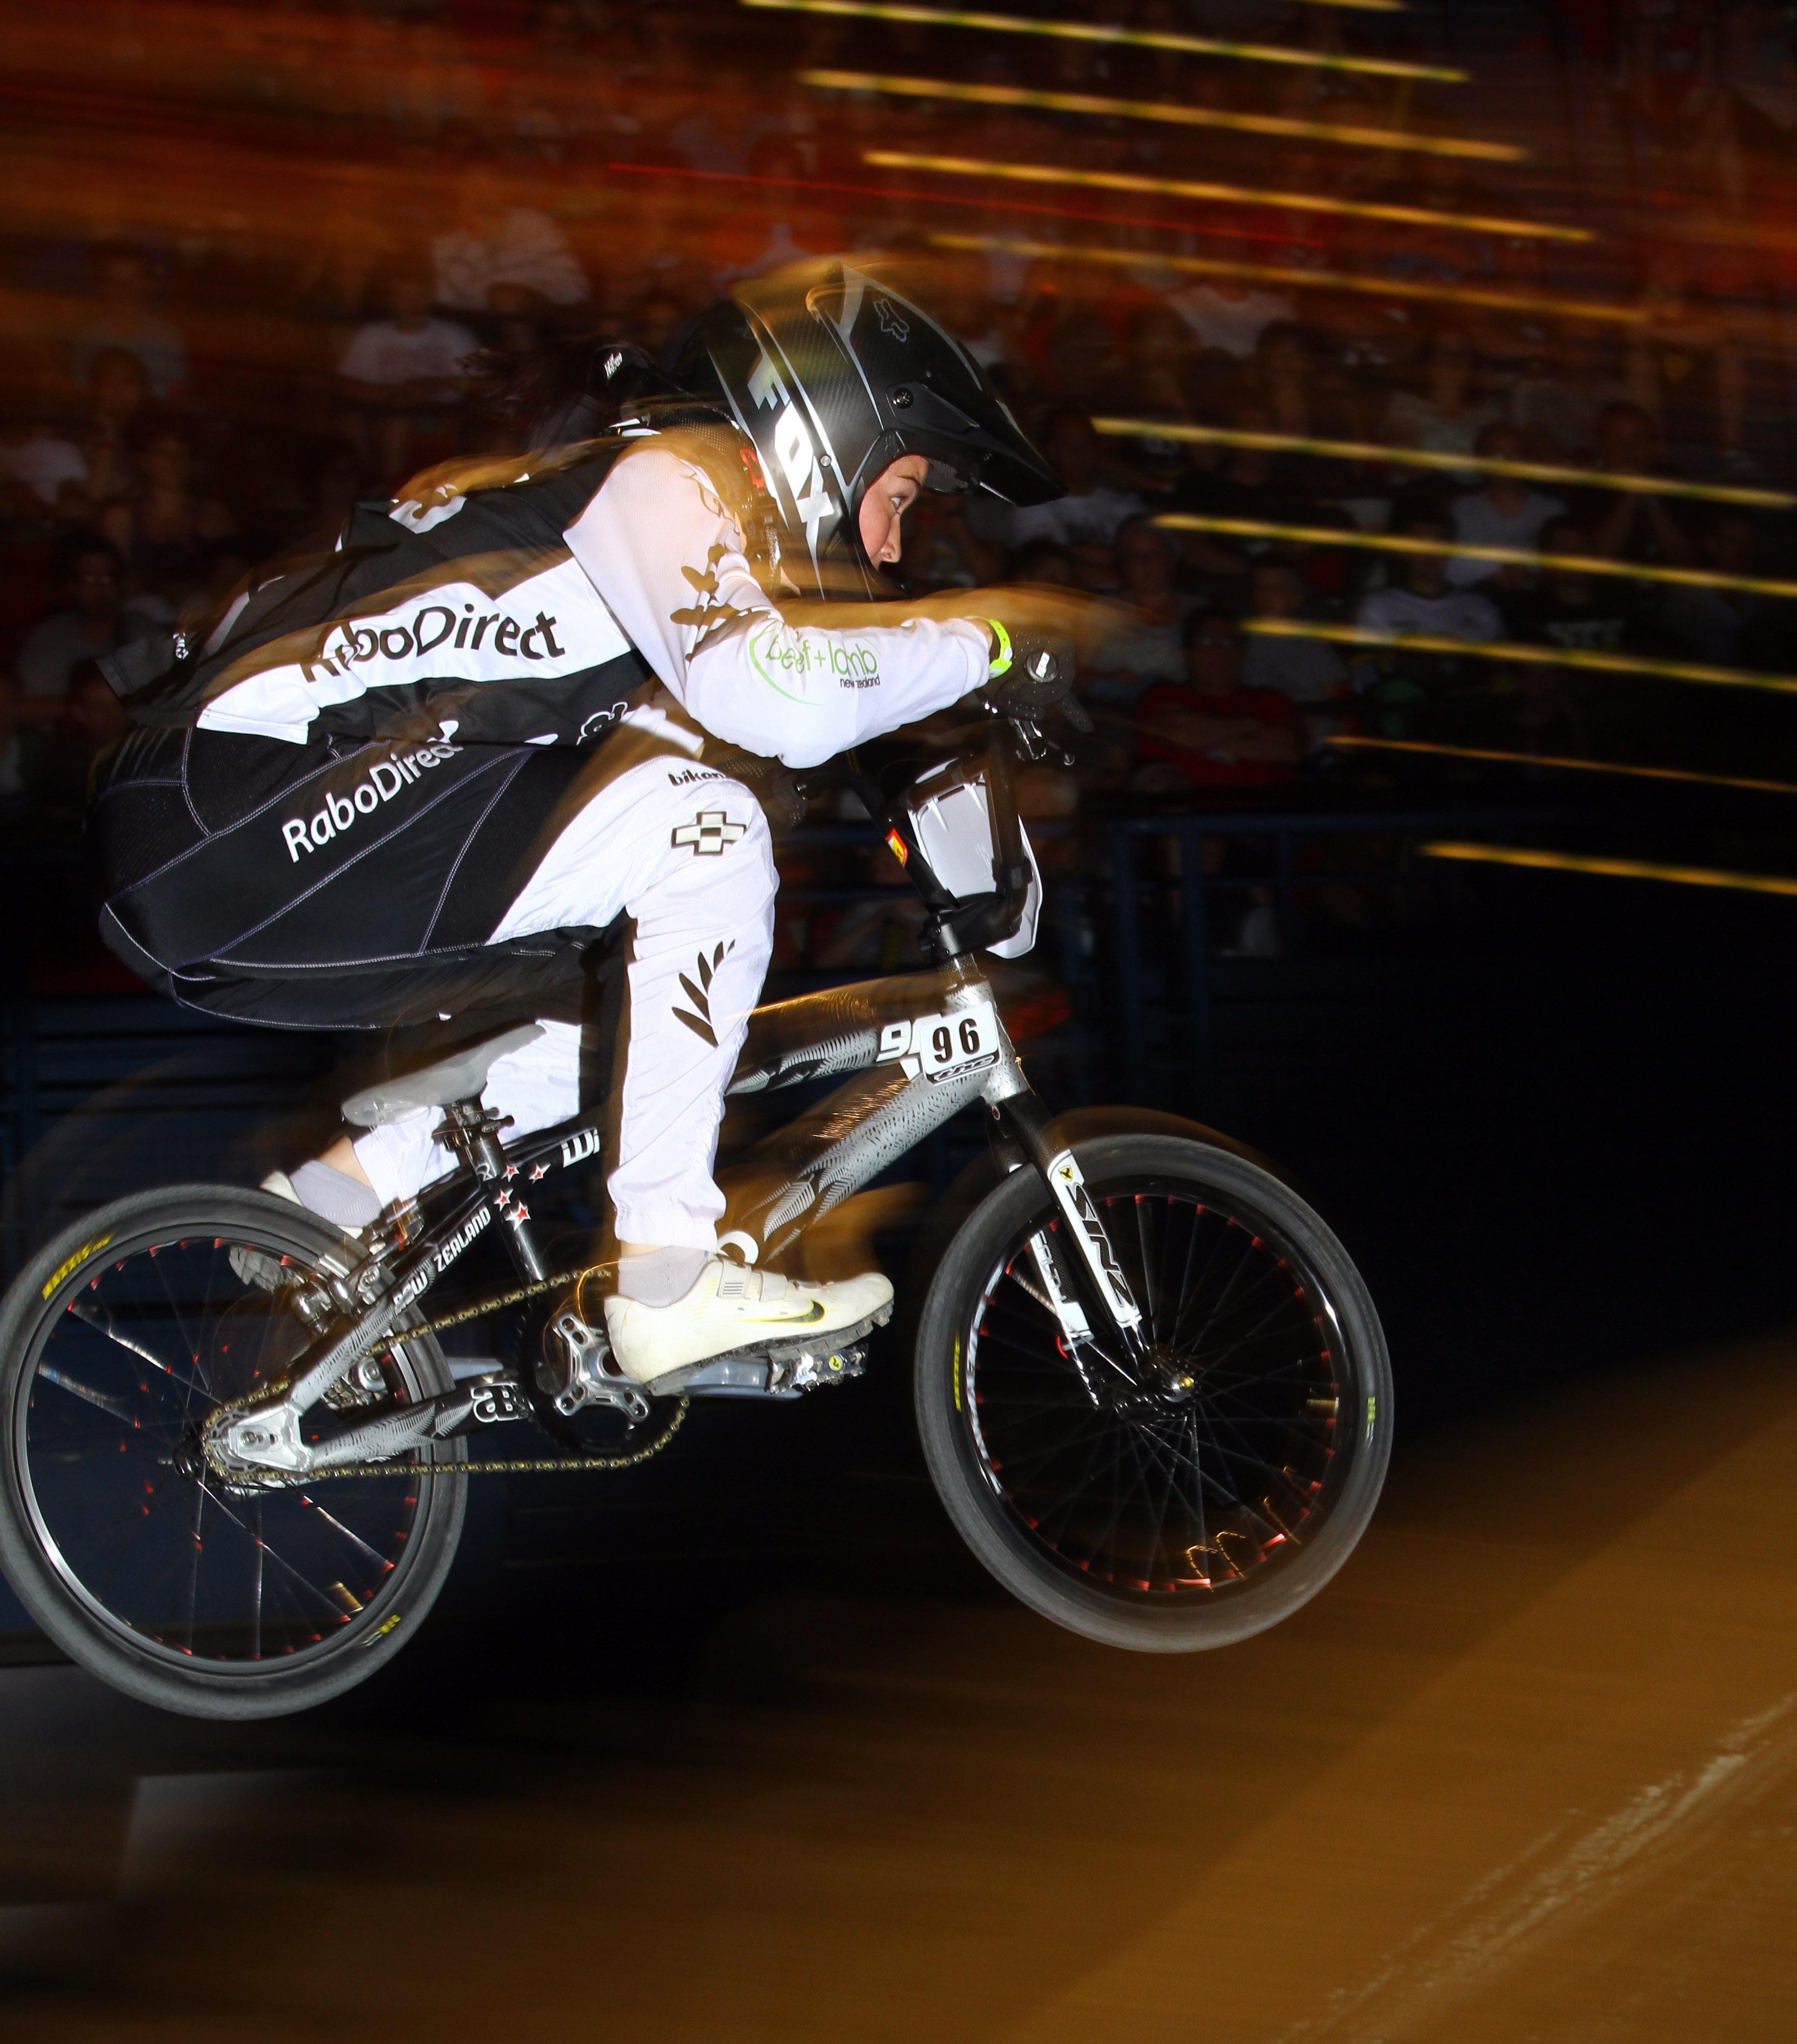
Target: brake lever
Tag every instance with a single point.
(1034, 745)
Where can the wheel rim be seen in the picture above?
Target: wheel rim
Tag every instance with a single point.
(1215, 1473)
(132, 1359)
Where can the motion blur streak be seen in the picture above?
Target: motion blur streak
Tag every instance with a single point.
(1393, 543)
(1131, 181)
(1304, 280)
(1522, 653)
(1091, 32)
(687, 174)
(1615, 869)
(1447, 464)
(1155, 109)
(1552, 762)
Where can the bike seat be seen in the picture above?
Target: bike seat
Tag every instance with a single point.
(458, 1078)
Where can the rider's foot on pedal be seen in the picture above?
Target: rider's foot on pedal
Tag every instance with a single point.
(730, 1309)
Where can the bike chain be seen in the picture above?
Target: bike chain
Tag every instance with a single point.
(501, 1465)
(497, 1465)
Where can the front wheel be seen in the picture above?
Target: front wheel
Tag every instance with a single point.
(1199, 1500)
(117, 1342)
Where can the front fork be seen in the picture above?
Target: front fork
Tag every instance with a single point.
(1054, 1162)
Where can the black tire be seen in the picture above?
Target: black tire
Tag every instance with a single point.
(213, 1604)
(1211, 1507)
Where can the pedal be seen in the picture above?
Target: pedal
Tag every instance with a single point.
(784, 1370)
(809, 1368)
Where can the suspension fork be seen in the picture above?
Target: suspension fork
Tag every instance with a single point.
(1029, 1120)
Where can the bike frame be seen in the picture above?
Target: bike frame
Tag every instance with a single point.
(913, 1051)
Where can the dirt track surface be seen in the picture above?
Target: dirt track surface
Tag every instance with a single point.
(1527, 1769)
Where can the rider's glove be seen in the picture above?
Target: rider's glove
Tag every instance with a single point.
(1031, 670)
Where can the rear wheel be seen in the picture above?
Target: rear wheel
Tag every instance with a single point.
(115, 1343)
(1205, 1498)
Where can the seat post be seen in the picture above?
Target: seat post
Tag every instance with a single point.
(472, 1132)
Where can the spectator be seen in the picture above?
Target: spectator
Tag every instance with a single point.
(1558, 410)
(117, 392)
(499, 256)
(91, 577)
(124, 320)
(1158, 385)
(55, 760)
(1569, 607)
(1404, 686)
(1632, 524)
(1711, 624)
(405, 374)
(165, 529)
(1686, 367)
(1308, 671)
(1507, 513)
(1213, 731)
(1147, 649)
(1283, 379)
(1443, 416)
(1090, 514)
(1042, 561)
(1250, 483)
(1158, 352)
(1424, 601)
(44, 472)
(331, 479)
(1228, 313)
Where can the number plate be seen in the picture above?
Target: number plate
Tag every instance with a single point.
(936, 1047)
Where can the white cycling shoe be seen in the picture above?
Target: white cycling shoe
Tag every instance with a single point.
(730, 1310)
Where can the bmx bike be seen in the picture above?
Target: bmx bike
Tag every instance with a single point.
(1152, 1389)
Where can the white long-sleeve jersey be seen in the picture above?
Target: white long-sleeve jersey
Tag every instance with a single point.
(529, 611)
(666, 558)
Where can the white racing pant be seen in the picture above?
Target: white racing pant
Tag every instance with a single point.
(686, 854)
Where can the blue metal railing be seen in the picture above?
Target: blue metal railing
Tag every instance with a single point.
(1139, 992)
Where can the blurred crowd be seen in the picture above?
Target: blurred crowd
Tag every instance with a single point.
(259, 252)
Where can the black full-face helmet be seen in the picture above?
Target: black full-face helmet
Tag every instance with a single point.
(833, 377)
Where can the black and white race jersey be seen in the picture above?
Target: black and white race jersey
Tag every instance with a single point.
(527, 608)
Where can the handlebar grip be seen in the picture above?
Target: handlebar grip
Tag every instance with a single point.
(1074, 710)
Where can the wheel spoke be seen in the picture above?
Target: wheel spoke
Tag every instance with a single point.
(1194, 1479)
(110, 1391)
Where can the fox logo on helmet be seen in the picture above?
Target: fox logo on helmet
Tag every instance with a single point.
(796, 458)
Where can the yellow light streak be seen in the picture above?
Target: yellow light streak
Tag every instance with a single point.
(1155, 109)
(1520, 653)
(1393, 543)
(1452, 464)
(1151, 39)
(1301, 280)
(1616, 869)
(1558, 764)
(1131, 181)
